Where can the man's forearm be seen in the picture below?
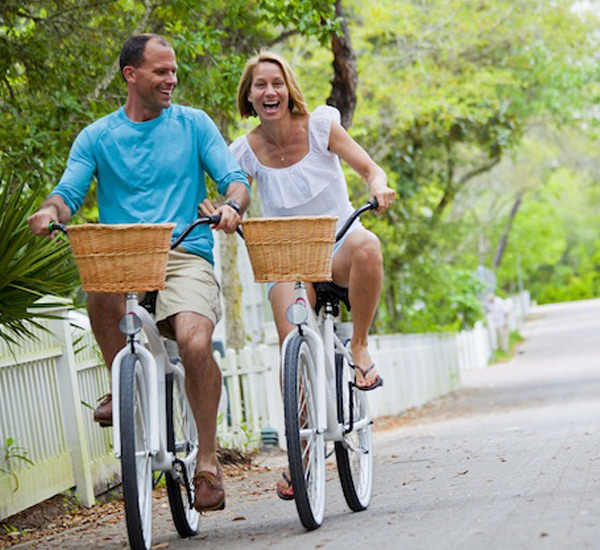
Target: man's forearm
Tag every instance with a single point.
(237, 192)
(56, 202)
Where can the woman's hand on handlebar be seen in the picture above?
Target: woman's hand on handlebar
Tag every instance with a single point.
(230, 219)
(385, 195)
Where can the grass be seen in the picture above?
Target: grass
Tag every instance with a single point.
(501, 356)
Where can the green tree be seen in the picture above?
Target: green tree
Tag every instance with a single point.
(446, 89)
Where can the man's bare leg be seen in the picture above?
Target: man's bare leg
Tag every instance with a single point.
(105, 311)
(202, 382)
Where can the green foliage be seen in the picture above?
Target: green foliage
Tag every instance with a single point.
(463, 84)
(13, 453)
(32, 267)
(501, 356)
(554, 244)
(434, 297)
(447, 89)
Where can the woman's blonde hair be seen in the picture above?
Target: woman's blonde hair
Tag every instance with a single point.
(297, 103)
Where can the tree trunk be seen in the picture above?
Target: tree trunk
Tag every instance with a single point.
(231, 286)
(232, 292)
(504, 239)
(345, 79)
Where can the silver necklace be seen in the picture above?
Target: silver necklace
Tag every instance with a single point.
(281, 157)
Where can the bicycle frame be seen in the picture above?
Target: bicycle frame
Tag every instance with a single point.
(155, 365)
(323, 343)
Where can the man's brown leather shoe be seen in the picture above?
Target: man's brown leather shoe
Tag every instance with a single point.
(209, 491)
(103, 413)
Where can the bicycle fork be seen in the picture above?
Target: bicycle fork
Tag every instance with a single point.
(322, 349)
(131, 325)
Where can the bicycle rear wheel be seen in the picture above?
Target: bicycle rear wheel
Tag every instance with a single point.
(182, 440)
(354, 455)
(305, 446)
(136, 462)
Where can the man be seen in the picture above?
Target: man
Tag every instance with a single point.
(149, 159)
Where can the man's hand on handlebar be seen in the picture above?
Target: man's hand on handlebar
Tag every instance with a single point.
(39, 223)
(230, 219)
(53, 209)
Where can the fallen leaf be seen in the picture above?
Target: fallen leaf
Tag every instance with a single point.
(238, 518)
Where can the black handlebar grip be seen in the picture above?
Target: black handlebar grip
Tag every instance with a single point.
(374, 203)
(55, 226)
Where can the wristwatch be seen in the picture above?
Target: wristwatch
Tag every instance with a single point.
(234, 204)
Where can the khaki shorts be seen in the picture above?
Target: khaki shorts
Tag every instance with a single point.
(191, 286)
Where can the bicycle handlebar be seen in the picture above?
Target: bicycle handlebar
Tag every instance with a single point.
(371, 205)
(215, 219)
(198, 221)
(55, 226)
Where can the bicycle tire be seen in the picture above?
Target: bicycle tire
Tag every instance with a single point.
(354, 455)
(136, 461)
(182, 440)
(305, 446)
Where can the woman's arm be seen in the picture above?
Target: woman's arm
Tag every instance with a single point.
(359, 160)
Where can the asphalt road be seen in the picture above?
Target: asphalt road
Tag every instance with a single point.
(510, 461)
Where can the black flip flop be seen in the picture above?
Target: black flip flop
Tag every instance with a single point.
(378, 381)
(281, 495)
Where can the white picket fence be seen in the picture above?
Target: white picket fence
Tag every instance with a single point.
(49, 387)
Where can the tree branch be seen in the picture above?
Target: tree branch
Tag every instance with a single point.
(114, 68)
(478, 171)
(282, 37)
(504, 239)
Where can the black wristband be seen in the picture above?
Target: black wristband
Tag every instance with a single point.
(234, 204)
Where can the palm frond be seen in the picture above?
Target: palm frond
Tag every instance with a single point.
(32, 266)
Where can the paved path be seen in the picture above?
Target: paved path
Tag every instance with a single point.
(511, 461)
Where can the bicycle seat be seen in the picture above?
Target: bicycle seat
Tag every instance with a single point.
(149, 301)
(332, 293)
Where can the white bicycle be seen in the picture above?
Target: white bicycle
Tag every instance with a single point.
(321, 403)
(153, 425)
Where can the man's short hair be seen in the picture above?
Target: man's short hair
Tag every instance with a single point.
(132, 52)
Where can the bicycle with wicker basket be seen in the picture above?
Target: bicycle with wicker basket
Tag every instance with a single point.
(321, 404)
(153, 425)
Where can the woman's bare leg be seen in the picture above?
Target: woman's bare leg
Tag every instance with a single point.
(358, 266)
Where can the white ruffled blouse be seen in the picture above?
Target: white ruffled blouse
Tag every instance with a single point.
(314, 186)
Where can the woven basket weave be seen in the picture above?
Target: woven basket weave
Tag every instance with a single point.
(121, 258)
(290, 249)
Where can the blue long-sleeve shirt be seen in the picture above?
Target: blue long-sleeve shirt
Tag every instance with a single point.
(151, 172)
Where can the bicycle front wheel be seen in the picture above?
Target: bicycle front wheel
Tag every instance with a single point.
(305, 446)
(136, 461)
(354, 455)
(182, 441)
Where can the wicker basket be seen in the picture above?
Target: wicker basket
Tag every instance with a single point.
(121, 258)
(290, 249)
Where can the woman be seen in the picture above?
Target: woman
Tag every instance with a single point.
(294, 157)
